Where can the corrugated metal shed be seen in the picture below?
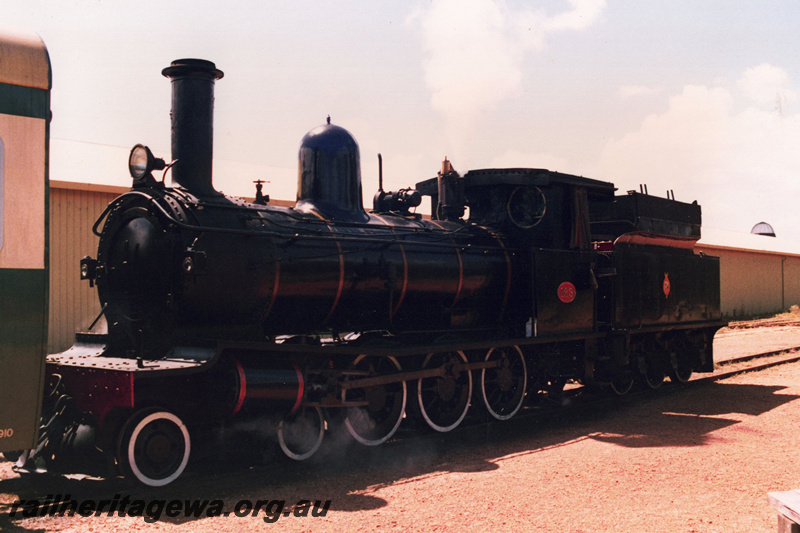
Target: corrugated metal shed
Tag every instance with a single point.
(758, 274)
(74, 207)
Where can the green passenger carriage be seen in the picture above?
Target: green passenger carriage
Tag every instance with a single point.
(24, 149)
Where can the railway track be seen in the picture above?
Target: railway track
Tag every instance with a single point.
(583, 398)
(791, 354)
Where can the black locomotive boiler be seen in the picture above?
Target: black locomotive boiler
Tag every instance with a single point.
(324, 313)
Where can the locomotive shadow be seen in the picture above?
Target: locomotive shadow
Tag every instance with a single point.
(690, 415)
(343, 470)
(240, 466)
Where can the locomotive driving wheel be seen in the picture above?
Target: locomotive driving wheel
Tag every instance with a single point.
(503, 387)
(154, 447)
(384, 405)
(300, 434)
(444, 400)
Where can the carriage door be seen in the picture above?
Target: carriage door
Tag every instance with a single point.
(24, 147)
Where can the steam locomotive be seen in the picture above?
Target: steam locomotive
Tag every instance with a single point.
(218, 308)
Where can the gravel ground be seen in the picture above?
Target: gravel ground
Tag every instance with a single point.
(700, 458)
(758, 336)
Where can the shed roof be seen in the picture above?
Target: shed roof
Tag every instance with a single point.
(747, 242)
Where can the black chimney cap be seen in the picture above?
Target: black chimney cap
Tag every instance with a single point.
(188, 67)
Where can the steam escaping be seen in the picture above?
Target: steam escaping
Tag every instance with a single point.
(475, 50)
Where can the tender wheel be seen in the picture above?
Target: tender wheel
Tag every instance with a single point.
(682, 355)
(503, 387)
(681, 370)
(653, 375)
(300, 434)
(621, 384)
(154, 447)
(444, 400)
(378, 420)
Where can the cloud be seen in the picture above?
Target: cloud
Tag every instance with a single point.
(724, 146)
(475, 50)
(767, 85)
(632, 91)
(471, 64)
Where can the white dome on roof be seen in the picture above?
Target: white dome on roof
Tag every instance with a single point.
(762, 228)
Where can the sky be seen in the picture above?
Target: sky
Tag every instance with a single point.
(699, 97)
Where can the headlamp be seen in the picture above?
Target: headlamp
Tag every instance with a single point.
(142, 163)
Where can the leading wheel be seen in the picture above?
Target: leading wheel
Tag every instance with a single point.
(300, 434)
(503, 387)
(378, 419)
(444, 400)
(154, 447)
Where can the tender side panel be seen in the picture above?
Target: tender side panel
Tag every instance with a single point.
(661, 286)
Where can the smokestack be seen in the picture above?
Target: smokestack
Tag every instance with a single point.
(193, 123)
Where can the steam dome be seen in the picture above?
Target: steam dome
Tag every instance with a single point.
(329, 173)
